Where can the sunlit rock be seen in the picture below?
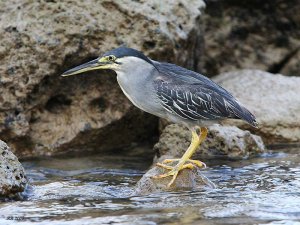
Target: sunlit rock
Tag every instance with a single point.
(272, 98)
(12, 175)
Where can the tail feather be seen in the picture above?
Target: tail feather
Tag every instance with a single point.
(240, 112)
(249, 117)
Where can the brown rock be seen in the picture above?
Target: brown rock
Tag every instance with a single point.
(43, 113)
(12, 175)
(273, 99)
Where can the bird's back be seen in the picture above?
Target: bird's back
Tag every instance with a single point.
(194, 97)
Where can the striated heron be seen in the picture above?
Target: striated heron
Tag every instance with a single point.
(171, 92)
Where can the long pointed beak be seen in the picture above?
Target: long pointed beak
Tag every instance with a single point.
(91, 65)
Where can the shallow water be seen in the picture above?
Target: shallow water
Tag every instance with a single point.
(98, 189)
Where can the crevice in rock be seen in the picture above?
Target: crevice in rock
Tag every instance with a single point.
(99, 104)
(278, 66)
(135, 127)
(57, 103)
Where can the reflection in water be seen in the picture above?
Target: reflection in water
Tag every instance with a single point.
(98, 190)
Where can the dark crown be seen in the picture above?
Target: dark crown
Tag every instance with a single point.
(124, 51)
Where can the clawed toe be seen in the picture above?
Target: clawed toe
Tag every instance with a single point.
(164, 166)
(185, 162)
(174, 170)
(170, 173)
(197, 163)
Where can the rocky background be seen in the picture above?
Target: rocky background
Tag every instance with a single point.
(251, 34)
(42, 113)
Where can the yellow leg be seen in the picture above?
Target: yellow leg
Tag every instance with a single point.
(185, 166)
(174, 170)
(195, 162)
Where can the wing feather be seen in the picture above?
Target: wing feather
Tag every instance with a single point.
(192, 96)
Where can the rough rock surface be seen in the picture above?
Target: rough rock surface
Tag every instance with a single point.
(12, 175)
(292, 66)
(273, 99)
(251, 34)
(43, 113)
(186, 180)
(221, 141)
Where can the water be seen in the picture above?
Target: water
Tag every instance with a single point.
(98, 189)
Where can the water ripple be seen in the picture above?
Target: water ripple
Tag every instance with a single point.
(264, 190)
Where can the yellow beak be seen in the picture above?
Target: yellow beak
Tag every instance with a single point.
(92, 65)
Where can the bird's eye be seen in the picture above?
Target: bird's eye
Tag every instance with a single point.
(111, 58)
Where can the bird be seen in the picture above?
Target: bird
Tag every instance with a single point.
(171, 92)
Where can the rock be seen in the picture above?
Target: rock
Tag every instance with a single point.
(243, 34)
(221, 141)
(292, 66)
(42, 113)
(186, 180)
(12, 175)
(273, 99)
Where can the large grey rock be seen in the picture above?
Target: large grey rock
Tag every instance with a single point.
(12, 175)
(43, 113)
(251, 34)
(273, 99)
(221, 141)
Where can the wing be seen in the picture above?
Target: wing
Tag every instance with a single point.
(197, 99)
(190, 103)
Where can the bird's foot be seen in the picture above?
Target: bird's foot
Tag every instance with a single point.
(197, 163)
(174, 170)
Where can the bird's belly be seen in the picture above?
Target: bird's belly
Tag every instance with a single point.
(145, 102)
(129, 97)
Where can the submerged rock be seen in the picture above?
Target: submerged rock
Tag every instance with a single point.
(221, 141)
(187, 179)
(12, 175)
(273, 99)
(43, 113)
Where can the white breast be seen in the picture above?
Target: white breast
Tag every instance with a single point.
(135, 79)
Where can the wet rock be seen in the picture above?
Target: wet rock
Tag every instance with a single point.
(12, 175)
(221, 141)
(186, 180)
(43, 113)
(273, 99)
(251, 34)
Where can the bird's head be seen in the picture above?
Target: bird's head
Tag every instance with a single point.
(121, 59)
